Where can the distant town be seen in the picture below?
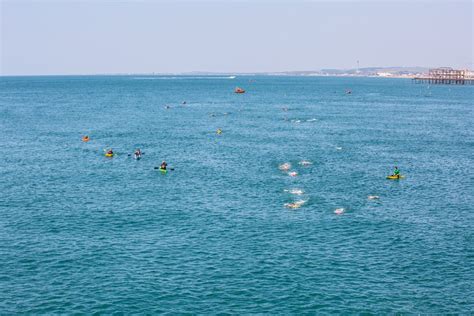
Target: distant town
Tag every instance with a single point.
(392, 72)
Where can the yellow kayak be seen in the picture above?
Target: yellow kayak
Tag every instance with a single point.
(109, 155)
(393, 177)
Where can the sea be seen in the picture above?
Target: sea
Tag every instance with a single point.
(226, 230)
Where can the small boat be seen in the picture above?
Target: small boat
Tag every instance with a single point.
(239, 90)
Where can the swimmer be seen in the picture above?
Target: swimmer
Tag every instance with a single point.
(339, 211)
(373, 197)
(305, 163)
(285, 166)
(293, 174)
(219, 131)
(295, 191)
(296, 204)
(85, 138)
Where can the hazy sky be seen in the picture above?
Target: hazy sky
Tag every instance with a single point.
(144, 36)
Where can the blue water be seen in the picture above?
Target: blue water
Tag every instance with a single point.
(83, 233)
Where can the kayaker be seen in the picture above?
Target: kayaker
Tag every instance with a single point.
(110, 152)
(163, 165)
(396, 172)
(138, 153)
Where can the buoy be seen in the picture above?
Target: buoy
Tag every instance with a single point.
(85, 138)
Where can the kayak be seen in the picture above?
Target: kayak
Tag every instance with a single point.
(392, 177)
(163, 170)
(109, 155)
(137, 157)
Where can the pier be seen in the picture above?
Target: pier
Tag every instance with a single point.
(446, 76)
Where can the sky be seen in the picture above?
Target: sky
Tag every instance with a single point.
(53, 37)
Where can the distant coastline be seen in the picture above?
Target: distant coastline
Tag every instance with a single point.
(384, 72)
(377, 72)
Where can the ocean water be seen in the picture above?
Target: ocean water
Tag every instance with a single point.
(87, 234)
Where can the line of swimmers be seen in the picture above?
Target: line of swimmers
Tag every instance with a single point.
(137, 155)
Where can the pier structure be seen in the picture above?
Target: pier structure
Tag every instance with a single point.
(446, 75)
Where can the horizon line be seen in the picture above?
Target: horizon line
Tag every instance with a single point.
(202, 72)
